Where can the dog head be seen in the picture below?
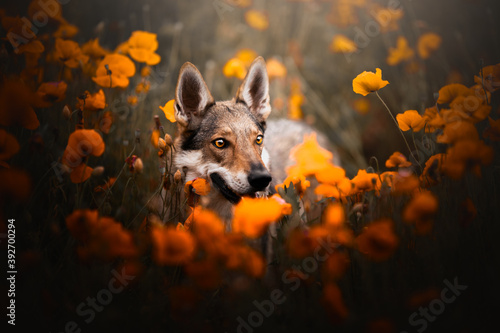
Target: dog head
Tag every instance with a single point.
(224, 141)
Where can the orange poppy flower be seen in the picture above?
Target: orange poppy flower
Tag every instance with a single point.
(102, 237)
(428, 43)
(402, 184)
(275, 68)
(142, 46)
(142, 87)
(330, 174)
(132, 100)
(171, 246)
(368, 82)
(253, 216)
(82, 143)
(16, 105)
(341, 44)
(333, 303)
(235, 68)
(300, 183)
(402, 52)
(451, 91)
(295, 102)
(106, 122)
(459, 130)
(114, 71)
(257, 19)
(378, 241)
(388, 178)
(432, 170)
(92, 102)
(397, 160)
(361, 105)
(380, 15)
(339, 191)
(49, 93)
(492, 132)
(146, 71)
(410, 119)
(286, 208)
(206, 225)
(69, 53)
(333, 215)
(421, 211)
(8, 146)
(365, 181)
(466, 155)
(169, 110)
(342, 14)
(309, 156)
(66, 30)
(199, 186)
(94, 50)
(247, 56)
(34, 46)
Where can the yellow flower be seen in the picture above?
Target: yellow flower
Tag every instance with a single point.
(114, 71)
(342, 44)
(171, 246)
(142, 46)
(310, 157)
(235, 67)
(253, 216)
(275, 69)
(397, 160)
(169, 110)
(69, 53)
(378, 241)
(410, 119)
(421, 211)
(368, 82)
(427, 43)
(257, 19)
(401, 53)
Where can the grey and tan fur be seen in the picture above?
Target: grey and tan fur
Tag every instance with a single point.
(225, 142)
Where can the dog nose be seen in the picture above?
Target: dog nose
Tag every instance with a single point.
(259, 178)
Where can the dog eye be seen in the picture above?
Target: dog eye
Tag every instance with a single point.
(219, 143)
(259, 139)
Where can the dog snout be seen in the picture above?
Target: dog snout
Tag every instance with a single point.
(259, 177)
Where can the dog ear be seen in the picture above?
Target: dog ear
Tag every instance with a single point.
(254, 91)
(192, 96)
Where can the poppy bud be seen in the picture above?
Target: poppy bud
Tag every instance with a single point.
(66, 112)
(168, 139)
(161, 144)
(177, 177)
(138, 166)
(98, 171)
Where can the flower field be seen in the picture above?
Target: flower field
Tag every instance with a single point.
(389, 226)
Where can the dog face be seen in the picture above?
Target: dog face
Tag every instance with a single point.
(224, 141)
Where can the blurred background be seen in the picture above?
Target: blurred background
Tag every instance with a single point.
(300, 34)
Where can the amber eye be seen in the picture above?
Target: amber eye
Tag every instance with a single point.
(259, 139)
(219, 143)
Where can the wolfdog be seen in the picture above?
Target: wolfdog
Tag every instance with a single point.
(225, 141)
